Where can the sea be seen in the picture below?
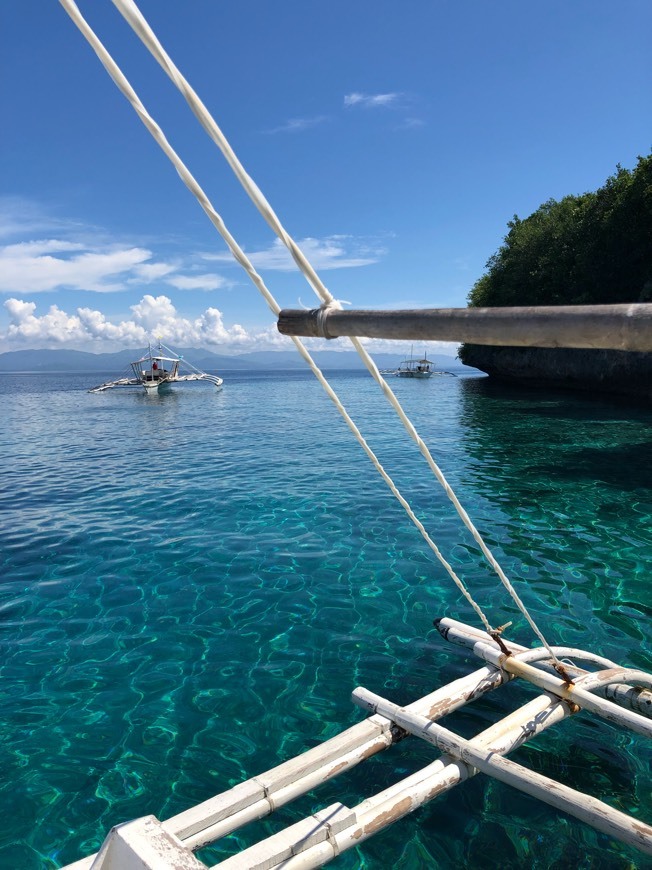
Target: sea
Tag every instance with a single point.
(192, 583)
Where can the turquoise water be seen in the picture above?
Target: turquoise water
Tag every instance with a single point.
(191, 584)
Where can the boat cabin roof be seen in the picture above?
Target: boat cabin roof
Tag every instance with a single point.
(158, 358)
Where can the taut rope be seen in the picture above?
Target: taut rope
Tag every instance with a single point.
(131, 13)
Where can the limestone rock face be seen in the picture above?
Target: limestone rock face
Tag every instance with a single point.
(606, 371)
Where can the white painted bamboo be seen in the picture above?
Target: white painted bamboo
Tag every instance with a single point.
(386, 807)
(258, 796)
(284, 795)
(630, 697)
(247, 801)
(588, 809)
(467, 636)
(569, 692)
(615, 327)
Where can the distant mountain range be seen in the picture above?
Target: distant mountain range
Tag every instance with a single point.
(80, 361)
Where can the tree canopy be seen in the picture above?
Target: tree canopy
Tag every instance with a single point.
(591, 249)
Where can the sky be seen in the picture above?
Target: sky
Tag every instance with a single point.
(393, 140)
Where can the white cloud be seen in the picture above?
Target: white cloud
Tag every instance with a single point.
(145, 273)
(196, 282)
(30, 267)
(152, 316)
(38, 247)
(46, 265)
(152, 311)
(332, 252)
(54, 327)
(372, 101)
(98, 328)
(411, 124)
(297, 125)
(20, 216)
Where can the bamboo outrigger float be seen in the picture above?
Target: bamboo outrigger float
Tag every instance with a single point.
(619, 695)
(589, 684)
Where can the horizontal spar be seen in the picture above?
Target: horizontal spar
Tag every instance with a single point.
(607, 327)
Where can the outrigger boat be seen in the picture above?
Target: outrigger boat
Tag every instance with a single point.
(411, 367)
(155, 371)
(416, 368)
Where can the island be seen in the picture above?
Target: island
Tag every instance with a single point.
(588, 249)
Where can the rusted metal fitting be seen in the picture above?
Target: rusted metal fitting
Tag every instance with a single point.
(563, 673)
(495, 634)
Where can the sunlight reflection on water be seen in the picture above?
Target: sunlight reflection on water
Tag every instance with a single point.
(192, 584)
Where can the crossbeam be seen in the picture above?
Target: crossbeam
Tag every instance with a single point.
(584, 807)
(606, 327)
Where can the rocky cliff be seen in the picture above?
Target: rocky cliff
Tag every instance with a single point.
(605, 371)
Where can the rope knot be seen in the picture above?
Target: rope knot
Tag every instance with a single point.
(496, 635)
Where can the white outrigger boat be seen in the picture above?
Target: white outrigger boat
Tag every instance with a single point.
(411, 367)
(154, 371)
(416, 368)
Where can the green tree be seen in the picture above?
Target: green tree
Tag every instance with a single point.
(595, 248)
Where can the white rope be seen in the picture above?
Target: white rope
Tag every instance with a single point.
(137, 22)
(190, 182)
(133, 16)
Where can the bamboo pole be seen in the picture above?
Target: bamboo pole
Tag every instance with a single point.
(384, 808)
(608, 327)
(634, 697)
(584, 807)
(260, 795)
(573, 692)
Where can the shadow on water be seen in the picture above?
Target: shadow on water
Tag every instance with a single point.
(582, 437)
(626, 466)
(556, 402)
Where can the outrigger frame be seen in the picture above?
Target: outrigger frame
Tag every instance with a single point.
(619, 695)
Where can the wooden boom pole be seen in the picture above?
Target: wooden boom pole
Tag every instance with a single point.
(607, 327)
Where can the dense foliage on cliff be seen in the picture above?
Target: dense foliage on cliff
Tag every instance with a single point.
(595, 248)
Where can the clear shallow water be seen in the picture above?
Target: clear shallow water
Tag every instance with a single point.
(191, 584)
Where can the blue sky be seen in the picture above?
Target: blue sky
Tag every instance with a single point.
(394, 141)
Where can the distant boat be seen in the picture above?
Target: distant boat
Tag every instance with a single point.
(411, 367)
(155, 371)
(416, 368)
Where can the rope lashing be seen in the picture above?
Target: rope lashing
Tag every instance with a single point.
(323, 310)
(133, 16)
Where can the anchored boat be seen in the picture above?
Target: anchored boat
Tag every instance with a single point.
(416, 368)
(155, 370)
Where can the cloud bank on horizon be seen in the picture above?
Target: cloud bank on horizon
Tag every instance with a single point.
(150, 317)
(84, 260)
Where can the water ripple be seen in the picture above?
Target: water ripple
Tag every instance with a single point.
(192, 584)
